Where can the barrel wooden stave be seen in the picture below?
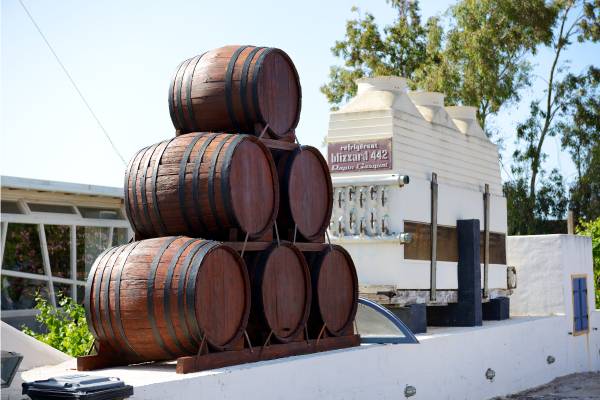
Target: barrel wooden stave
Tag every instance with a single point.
(281, 293)
(306, 194)
(335, 291)
(236, 89)
(121, 313)
(236, 187)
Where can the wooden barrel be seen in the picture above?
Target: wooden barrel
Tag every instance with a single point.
(281, 294)
(306, 195)
(137, 302)
(335, 291)
(202, 185)
(236, 89)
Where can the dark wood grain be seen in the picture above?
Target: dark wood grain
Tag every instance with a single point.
(306, 194)
(237, 89)
(447, 243)
(203, 185)
(158, 299)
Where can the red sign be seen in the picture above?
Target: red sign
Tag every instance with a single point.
(361, 156)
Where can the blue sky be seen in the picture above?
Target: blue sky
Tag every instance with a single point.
(122, 54)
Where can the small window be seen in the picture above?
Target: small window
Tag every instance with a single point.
(10, 207)
(376, 324)
(100, 213)
(51, 208)
(580, 305)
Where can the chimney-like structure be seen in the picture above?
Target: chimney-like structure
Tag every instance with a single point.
(465, 119)
(431, 107)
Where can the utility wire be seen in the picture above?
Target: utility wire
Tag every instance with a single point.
(73, 82)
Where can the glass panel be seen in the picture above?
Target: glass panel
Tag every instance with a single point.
(22, 251)
(10, 207)
(91, 241)
(80, 293)
(19, 293)
(51, 208)
(100, 213)
(62, 288)
(119, 236)
(58, 239)
(369, 322)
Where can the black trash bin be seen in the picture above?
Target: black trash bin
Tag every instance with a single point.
(80, 386)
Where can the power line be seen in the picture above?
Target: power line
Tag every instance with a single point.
(72, 82)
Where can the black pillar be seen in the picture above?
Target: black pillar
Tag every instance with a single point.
(468, 311)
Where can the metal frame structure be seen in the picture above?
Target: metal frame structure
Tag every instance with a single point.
(40, 219)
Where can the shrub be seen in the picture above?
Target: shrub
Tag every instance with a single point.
(66, 326)
(592, 229)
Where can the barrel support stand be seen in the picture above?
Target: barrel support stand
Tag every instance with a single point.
(105, 357)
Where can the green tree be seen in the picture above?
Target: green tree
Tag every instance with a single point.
(577, 20)
(480, 61)
(592, 229)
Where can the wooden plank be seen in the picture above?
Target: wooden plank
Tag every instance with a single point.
(279, 144)
(447, 243)
(228, 358)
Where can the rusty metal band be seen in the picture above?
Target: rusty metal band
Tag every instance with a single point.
(118, 320)
(244, 88)
(143, 189)
(87, 302)
(190, 106)
(167, 293)
(181, 186)
(195, 183)
(179, 100)
(150, 295)
(172, 95)
(110, 335)
(257, 68)
(211, 182)
(228, 87)
(96, 294)
(183, 271)
(226, 184)
(161, 225)
(134, 209)
(190, 293)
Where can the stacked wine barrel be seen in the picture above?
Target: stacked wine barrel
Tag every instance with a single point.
(227, 215)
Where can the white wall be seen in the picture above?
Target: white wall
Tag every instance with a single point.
(545, 264)
(449, 363)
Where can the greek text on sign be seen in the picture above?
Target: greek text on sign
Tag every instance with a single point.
(360, 156)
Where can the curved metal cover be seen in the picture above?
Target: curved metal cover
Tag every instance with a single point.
(376, 324)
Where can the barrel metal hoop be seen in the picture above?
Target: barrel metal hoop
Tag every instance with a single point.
(135, 210)
(257, 68)
(87, 302)
(179, 100)
(211, 182)
(226, 184)
(229, 84)
(167, 295)
(97, 289)
(190, 293)
(161, 225)
(118, 299)
(201, 151)
(190, 106)
(172, 95)
(110, 335)
(181, 186)
(143, 189)
(183, 271)
(128, 210)
(244, 88)
(150, 295)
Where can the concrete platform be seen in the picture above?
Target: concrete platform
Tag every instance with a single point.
(449, 363)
